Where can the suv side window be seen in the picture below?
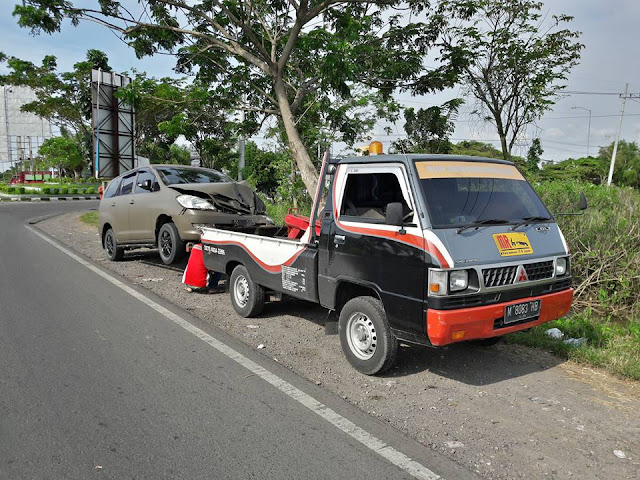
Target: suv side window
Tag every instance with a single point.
(112, 188)
(127, 183)
(146, 175)
(366, 196)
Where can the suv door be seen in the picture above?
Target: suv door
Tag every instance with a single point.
(119, 206)
(362, 248)
(144, 205)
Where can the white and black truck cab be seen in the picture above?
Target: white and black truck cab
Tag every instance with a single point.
(426, 249)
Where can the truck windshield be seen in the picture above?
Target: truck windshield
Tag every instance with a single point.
(456, 202)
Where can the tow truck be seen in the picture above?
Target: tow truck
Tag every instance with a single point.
(421, 249)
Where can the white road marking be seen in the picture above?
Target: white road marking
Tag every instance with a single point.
(389, 453)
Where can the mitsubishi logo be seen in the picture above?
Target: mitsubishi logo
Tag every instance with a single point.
(521, 275)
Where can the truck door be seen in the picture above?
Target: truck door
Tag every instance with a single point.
(119, 206)
(362, 248)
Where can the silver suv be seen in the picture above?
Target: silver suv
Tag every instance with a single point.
(164, 206)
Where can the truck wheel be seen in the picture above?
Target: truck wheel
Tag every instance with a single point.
(247, 297)
(114, 252)
(365, 336)
(170, 245)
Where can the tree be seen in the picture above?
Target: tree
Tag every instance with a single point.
(63, 153)
(278, 58)
(515, 65)
(533, 155)
(627, 167)
(428, 129)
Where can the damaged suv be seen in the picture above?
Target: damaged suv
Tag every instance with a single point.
(165, 206)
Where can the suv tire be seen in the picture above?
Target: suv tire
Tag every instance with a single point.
(114, 252)
(170, 245)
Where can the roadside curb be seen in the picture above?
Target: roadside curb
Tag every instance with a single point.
(46, 199)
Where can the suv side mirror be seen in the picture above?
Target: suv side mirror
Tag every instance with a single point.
(583, 201)
(147, 185)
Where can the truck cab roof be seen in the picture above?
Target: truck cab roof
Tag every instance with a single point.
(414, 157)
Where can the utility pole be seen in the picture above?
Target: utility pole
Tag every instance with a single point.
(588, 128)
(624, 97)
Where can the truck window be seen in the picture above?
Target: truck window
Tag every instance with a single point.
(367, 195)
(127, 184)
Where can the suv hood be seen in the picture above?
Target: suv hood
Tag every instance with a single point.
(236, 197)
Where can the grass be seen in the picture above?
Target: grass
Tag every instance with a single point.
(612, 345)
(90, 218)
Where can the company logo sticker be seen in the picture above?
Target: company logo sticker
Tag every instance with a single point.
(512, 244)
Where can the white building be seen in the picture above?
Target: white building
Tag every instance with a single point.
(21, 133)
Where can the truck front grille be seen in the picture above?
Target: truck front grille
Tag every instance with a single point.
(500, 276)
(540, 270)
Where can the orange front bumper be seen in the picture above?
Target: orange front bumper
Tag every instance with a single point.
(477, 322)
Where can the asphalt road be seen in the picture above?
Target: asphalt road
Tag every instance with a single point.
(96, 383)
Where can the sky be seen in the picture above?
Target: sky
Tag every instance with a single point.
(609, 31)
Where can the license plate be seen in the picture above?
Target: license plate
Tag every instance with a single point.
(522, 311)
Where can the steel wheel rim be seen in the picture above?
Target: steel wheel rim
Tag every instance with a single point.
(361, 336)
(165, 244)
(109, 244)
(241, 291)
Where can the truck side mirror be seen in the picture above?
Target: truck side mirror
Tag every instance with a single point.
(583, 201)
(394, 215)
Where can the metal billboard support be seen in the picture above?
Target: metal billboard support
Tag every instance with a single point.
(113, 125)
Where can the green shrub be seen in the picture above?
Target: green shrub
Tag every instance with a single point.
(80, 180)
(21, 190)
(64, 191)
(46, 190)
(11, 190)
(604, 244)
(73, 191)
(91, 191)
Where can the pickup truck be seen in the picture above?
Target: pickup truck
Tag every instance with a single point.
(422, 249)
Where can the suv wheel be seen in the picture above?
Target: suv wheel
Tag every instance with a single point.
(114, 252)
(170, 245)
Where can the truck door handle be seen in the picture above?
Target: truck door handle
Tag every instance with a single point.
(132, 202)
(338, 239)
(113, 204)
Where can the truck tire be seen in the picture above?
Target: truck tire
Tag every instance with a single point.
(170, 245)
(247, 297)
(365, 336)
(114, 252)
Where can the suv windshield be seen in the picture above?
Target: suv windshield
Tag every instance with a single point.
(458, 197)
(177, 175)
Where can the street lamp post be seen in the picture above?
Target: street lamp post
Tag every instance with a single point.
(589, 128)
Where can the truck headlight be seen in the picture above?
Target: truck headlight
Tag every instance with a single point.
(458, 280)
(437, 282)
(196, 203)
(561, 266)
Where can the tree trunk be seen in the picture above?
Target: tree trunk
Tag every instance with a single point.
(301, 156)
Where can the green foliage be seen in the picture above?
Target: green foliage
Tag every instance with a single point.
(627, 168)
(516, 63)
(73, 191)
(90, 218)
(476, 149)
(46, 190)
(613, 345)
(64, 191)
(63, 153)
(428, 129)
(604, 244)
(533, 155)
(588, 169)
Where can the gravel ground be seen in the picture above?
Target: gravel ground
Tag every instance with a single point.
(505, 411)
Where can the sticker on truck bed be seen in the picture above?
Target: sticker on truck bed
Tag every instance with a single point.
(511, 244)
